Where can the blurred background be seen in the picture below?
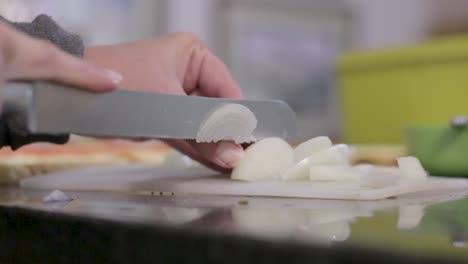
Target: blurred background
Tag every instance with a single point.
(284, 50)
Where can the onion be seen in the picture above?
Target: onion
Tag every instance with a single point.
(267, 159)
(331, 156)
(411, 168)
(311, 147)
(345, 151)
(176, 159)
(378, 180)
(363, 168)
(233, 122)
(333, 173)
(377, 176)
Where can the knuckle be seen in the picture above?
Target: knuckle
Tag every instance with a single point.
(187, 38)
(46, 54)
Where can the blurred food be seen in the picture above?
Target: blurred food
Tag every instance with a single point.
(44, 158)
(384, 155)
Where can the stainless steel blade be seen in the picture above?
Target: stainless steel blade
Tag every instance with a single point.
(54, 109)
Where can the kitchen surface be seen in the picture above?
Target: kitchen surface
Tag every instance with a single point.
(351, 139)
(424, 228)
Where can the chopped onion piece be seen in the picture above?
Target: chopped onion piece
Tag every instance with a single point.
(377, 176)
(378, 170)
(311, 147)
(333, 173)
(331, 156)
(363, 168)
(387, 170)
(300, 171)
(346, 152)
(411, 168)
(229, 122)
(378, 180)
(175, 159)
(267, 159)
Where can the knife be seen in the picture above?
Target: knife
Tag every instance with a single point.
(50, 108)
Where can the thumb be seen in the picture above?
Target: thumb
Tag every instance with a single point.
(225, 154)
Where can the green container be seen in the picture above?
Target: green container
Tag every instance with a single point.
(384, 92)
(442, 150)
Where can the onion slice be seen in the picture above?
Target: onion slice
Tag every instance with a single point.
(229, 122)
(411, 168)
(333, 173)
(332, 156)
(311, 147)
(267, 159)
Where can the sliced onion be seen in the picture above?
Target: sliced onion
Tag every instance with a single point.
(267, 159)
(377, 176)
(411, 168)
(378, 180)
(229, 122)
(331, 156)
(300, 171)
(311, 147)
(345, 151)
(363, 168)
(333, 173)
(386, 170)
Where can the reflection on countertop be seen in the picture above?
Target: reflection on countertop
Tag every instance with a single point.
(433, 224)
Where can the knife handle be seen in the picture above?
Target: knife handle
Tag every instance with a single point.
(16, 98)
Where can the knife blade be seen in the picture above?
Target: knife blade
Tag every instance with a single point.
(50, 108)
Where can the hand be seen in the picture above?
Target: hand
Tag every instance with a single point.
(26, 58)
(175, 64)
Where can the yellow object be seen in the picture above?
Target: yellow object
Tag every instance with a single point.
(384, 92)
(383, 155)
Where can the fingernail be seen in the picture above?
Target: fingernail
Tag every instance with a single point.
(114, 76)
(228, 154)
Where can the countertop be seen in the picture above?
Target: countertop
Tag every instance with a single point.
(118, 227)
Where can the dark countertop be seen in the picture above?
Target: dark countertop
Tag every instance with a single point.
(110, 227)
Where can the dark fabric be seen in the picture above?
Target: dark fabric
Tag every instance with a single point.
(44, 27)
(13, 132)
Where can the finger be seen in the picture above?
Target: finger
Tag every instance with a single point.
(225, 153)
(187, 149)
(26, 58)
(207, 75)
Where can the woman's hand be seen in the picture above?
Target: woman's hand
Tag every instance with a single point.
(175, 64)
(26, 58)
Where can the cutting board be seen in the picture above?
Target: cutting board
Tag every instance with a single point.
(202, 181)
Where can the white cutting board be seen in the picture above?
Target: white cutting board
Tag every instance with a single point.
(202, 181)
